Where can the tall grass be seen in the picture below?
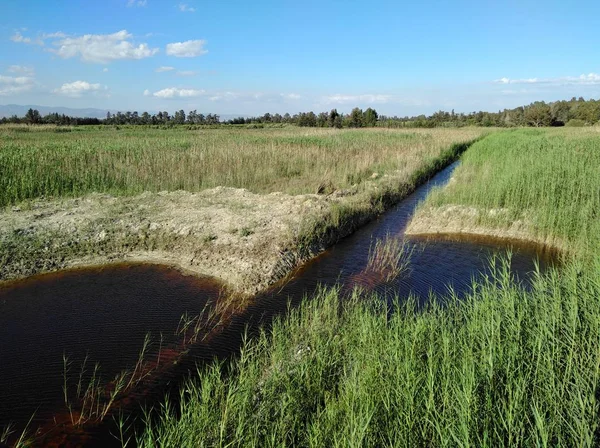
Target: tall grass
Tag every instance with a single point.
(501, 367)
(547, 178)
(130, 161)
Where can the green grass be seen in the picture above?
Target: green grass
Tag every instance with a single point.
(548, 178)
(128, 161)
(499, 368)
(503, 366)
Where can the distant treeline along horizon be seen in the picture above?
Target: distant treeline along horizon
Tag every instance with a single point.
(575, 112)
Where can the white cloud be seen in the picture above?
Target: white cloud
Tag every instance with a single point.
(356, 99)
(78, 88)
(187, 49)
(227, 96)
(58, 34)
(164, 69)
(102, 48)
(11, 85)
(18, 37)
(173, 92)
(186, 73)
(183, 7)
(131, 3)
(20, 69)
(589, 79)
(105, 69)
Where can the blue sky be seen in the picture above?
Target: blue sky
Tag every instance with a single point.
(251, 57)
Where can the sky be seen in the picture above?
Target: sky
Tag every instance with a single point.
(252, 57)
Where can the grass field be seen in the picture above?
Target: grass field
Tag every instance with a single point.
(548, 179)
(128, 161)
(502, 367)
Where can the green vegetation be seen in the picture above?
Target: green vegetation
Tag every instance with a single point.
(503, 366)
(388, 258)
(574, 112)
(500, 368)
(130, 161)
(546, 178)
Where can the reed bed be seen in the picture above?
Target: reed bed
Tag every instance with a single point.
(129, 161)
(500, 367)
(549, 179)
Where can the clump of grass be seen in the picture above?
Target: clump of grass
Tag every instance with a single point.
(245, 231)
(93, 399)
(500, 367)
(389, 258)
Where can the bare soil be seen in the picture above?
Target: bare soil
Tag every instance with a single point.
(237, 236)
(459, 219)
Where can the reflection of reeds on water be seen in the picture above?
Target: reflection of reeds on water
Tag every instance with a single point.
(389, 258)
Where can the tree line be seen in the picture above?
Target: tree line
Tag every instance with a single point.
(575, 112)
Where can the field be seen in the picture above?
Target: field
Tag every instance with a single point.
(531, 184)
(243, 205)
(501, 367)
(129, 161)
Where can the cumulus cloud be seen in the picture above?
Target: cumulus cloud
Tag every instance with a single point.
(174, 92)
(356, 99)
(187, 49)
(131, 3)
(77, 89)
(183, 7)
(164, 69)
(589, 79)
(102, 48)
(147, 92)
(12, 85)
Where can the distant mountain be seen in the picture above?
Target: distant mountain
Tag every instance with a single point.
(14, 109)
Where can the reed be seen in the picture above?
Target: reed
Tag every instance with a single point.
(500, 367)
(546, 179)
(389, 258)
(131, 161)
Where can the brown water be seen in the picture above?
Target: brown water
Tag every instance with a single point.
(106, 312)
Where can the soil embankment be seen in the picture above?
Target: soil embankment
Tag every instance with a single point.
(464, 221)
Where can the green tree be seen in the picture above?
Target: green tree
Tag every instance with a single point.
(538, 114)
(33, 117)
(370, 117)
(333, 116)
(356, 118)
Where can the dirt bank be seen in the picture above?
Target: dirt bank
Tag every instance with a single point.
(228, 233)
(462, 220)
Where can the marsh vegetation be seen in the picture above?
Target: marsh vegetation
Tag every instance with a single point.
(503, 366)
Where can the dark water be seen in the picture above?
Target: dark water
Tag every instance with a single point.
(106, 312)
